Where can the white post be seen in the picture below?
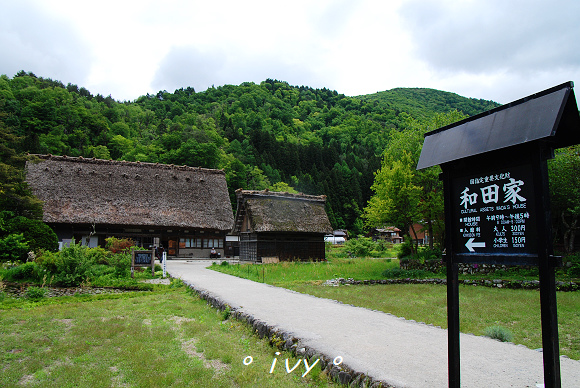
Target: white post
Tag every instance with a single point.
(164, 257)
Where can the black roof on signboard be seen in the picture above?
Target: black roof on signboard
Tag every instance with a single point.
(550, 115)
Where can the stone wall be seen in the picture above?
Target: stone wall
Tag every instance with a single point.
(438, 266)
(496, 283)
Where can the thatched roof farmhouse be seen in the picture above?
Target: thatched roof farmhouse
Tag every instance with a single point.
(185, 209)
(280, 226)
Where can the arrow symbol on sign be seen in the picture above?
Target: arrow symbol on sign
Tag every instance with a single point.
(470, 245)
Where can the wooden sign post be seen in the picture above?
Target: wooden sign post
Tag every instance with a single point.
(143, 259)
(497, 208)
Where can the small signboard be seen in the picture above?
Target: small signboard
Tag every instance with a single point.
(143, 259)
(494, 217)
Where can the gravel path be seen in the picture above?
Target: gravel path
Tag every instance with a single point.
(399, 352)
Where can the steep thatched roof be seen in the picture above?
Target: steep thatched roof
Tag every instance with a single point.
(86, 191)
(267, 211)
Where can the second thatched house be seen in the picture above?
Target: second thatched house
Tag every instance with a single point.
(280, 226)
(186, 210)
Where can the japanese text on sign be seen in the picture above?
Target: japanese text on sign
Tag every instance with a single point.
(493, 212)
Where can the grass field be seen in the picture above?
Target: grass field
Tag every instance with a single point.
(480, 307)
(167, 338)
(287, 273)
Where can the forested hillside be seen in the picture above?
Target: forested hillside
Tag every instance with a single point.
(268, 135)
(421, 103)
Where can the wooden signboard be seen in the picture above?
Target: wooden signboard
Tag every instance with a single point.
(497, 208)
(143, 259)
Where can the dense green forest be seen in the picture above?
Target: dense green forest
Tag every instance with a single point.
(268, 135)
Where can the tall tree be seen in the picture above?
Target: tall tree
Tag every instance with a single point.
(15, 196)
(564, 172)
(421, 201)
(396, 198)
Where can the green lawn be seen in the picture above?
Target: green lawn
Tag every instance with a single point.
(286, 273)
(166, 338)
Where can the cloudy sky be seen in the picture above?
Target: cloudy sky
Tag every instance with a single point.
(493, 49)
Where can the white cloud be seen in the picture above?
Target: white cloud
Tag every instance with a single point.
(187, 66)
(500, 50)
(49, 47)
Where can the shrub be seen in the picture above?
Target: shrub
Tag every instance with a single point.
(37, 234)
(72, 265)
(405, 249)
(382, 245)
(35, 292)
(27, 271)
(46, 260)
(427, 255)
(574, 270)
(572, 265)
(360, 246)
(498, 333)
(573, 258)
(13, 247)
(98, 270)
(119, 245)
(121, 262)
(98, 255)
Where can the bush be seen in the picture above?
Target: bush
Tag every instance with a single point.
(46, 260)
(405, 250)
(72, 265)
(119, 245)
(382, 245)
(98, 255)
(27, 271)
(426, 255)
(360, 246)
(572, 265)
(573, 258)
(98, 270)
(122, 264)
(13, 247)
(37, 234)
(498, 333)
(35, 293)
(75, 264)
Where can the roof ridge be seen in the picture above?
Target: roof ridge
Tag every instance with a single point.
(112, 162)
(280, 194)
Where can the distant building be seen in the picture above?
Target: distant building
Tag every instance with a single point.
(280, 226)
(185, 209)
(337, 237)
(390, 234)
(422, 234)
(335, 240)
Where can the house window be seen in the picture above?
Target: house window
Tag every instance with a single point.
(201, 243)
(213, 243)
